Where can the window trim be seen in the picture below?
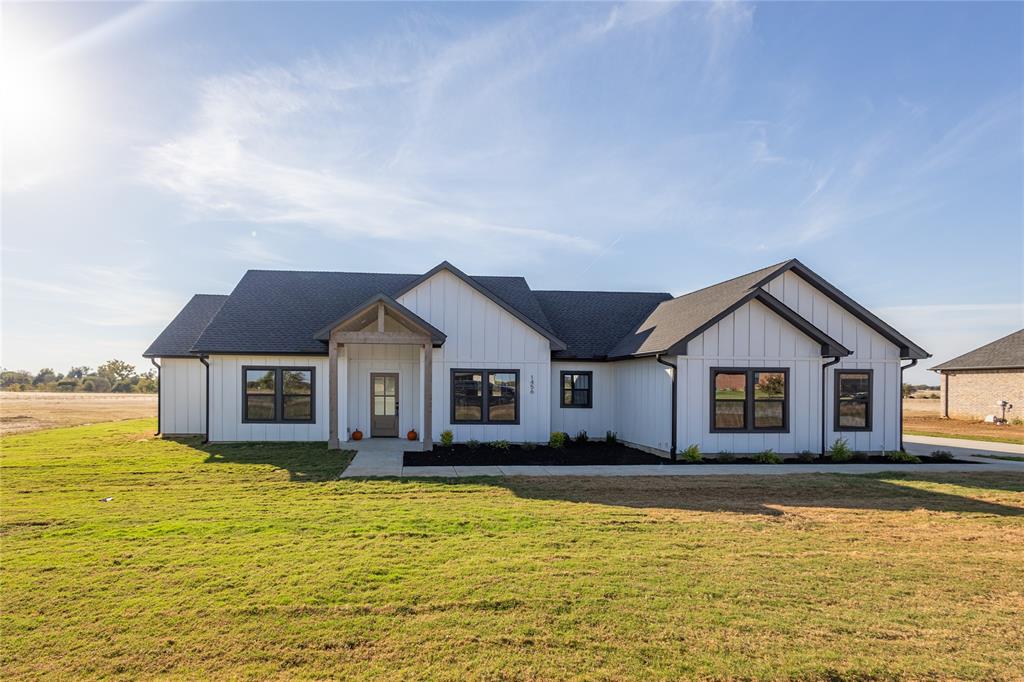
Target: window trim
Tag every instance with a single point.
(485, 391)
(835, 399)
(279, 394)
(590, 390)
(748, 400)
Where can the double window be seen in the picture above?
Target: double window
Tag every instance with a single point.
(485, 396)
(853, 400)
(749, 400)
(577, 389)
(278, 394)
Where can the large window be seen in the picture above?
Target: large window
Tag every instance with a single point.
(278, 394)
(577, 389)
(481, 396)
(853, 400)
(749, 400)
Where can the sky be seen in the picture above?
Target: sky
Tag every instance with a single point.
(154, 151)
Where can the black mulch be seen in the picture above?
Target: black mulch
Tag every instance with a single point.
(595, 452)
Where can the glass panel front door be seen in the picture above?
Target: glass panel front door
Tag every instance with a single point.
(383, 405)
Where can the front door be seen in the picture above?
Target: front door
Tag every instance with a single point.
(383, 405)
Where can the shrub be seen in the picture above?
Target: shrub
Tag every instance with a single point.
(942, 455)
(1017, 421)
(528, 447)
(611, 438)
(767, 457)
(472, 444)
(447, 438)
(725, 456)
(840, 451)
(502, 445)
(807, 456)
(581, 437)
(691, 455)
(558, 439)
(901, 456)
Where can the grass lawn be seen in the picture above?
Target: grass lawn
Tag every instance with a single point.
(255, 561)
(1008, 438)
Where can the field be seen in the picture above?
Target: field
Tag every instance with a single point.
(921, 418)
(255, 561)
(25, 412)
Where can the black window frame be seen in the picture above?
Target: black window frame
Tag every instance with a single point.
(590, 389)
(749, 400)
(485, 386)
(279, 394)
(869, 402)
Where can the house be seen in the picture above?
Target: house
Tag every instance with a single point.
(777, 358)
(971, 385)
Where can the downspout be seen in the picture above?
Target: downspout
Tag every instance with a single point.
(903, 367)
(159, 390)
(675, 393)
(824, 397)
(206, 432)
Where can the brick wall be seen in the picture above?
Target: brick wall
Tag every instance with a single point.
(972, 395)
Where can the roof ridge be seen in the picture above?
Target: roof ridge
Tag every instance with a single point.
(600, 291)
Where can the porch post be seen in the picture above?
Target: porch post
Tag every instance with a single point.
(342, 392)
(428, 395)
(332, 393)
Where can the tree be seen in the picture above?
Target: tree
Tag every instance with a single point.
(908, 390)
(116, 371)
(96, 384)
(46, 375)
(15, 377)
(79, 372)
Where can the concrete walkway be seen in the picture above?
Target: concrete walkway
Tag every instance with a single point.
(382, 458)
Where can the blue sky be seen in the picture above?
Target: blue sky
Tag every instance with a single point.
(155, 151)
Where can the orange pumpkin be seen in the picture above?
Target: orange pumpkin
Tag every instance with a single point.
(412, 434)
(357, 435)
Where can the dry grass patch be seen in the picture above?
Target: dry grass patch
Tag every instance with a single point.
(26, 412)
(255, 561)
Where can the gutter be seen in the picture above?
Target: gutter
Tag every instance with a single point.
(903, 367)
(206, 432)
(675, 393)
(824, 397)
(159, 390)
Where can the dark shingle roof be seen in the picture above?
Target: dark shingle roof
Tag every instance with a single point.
(677, 318)
(1004, 353)
(177, 338)
(592, 322)
(274, 311)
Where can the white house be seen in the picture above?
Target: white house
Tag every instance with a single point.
(777, 358)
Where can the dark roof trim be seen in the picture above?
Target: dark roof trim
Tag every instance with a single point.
(829, 346)
(940, 369)
(908, 349)
(436, 335)
(556, 343)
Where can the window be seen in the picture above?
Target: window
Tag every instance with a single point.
(485, 396)
(748, 400)
(577, 389)
(278, 394)
(853, 400)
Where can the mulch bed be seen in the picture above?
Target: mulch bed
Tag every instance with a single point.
(593, 453)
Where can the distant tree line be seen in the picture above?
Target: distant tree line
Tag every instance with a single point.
(908, 389)
(113, 376)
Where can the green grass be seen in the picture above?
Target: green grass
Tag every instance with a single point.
(255, 561)
(989, 439)
(1012, 458)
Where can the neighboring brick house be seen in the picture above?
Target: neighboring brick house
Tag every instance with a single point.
(973, 383)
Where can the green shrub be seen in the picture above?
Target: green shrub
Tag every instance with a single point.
(942, 455)
(502, 445)
(901, 457)
(447, 438)
(558, 439)
(691, 455)
(807, 456)
(767, 457)
(472, 444)
(725, 456)
(1017, 421)
(611, 438)
(528, 447)
(840, 451)
(581, 437)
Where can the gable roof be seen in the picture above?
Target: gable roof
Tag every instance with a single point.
(177, 338)
(1004, 353)
(592, 322)
(436, 335)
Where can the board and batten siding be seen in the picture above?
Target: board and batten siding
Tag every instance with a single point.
(483, 335)
(598, 418)
(182, 396)
(643, 390)
(367, 359)
(226, 400)
(870, 351)
(751, 336)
